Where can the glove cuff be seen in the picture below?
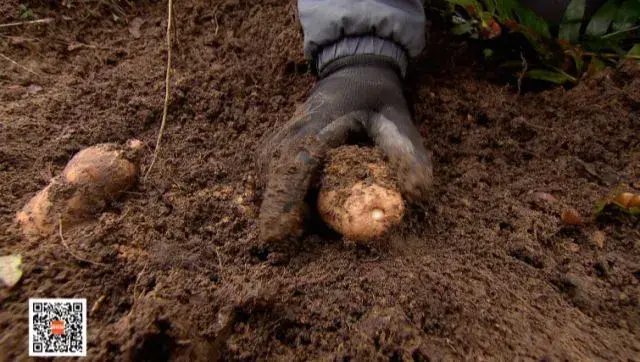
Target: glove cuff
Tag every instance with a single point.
(362, 45)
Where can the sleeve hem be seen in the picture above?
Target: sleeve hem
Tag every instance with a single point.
(362, 45)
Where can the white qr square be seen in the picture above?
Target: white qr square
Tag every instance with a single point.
(57, 327)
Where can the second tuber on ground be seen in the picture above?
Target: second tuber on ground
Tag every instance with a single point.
(92, 178)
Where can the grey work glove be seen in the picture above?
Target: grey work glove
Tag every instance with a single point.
(356, 93)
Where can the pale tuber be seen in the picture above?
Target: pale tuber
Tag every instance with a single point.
(359, 197)
(92, 177)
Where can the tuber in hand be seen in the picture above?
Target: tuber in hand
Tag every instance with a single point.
(359, 198)
(94, 176)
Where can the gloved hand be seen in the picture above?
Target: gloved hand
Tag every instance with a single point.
(355, 93)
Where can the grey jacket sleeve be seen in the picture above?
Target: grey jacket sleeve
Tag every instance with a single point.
(338, 28)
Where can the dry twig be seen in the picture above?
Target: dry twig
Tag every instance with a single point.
(19, 65)
(219, 260)
(135, 288)
(97, 305)
(167, 90)
(39, 21)
(525, 67)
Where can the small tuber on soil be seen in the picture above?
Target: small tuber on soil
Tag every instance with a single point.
(92, 177)
(571, 217)
(359, 197)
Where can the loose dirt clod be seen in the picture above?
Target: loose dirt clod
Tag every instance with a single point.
(93, 177)
(573, 247)
(359, 198)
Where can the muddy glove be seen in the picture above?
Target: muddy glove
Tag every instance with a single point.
(359, 93)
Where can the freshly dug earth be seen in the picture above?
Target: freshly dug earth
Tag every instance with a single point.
(174, 270)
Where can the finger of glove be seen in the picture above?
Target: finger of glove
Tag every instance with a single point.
(281, 212)
(322, 107)
(308, 120)
(394, 132)
(272, 143)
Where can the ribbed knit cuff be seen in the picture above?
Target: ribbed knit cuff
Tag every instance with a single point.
(362, 45)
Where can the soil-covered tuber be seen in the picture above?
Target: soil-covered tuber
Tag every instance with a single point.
(359, 197)
(92, 178)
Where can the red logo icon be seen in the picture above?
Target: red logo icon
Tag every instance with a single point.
(57, 327)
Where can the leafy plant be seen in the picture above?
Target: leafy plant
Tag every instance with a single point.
(563, 52)
(25, 12)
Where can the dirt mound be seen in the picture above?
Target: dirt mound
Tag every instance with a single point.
(174, 269)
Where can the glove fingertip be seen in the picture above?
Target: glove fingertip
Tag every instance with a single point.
(280, 220)
(416, 182)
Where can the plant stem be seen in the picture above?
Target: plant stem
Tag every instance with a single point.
(40, 21)
(610, 55)
(619, 32)
(569, 76)
(167, 92)
(18, 65)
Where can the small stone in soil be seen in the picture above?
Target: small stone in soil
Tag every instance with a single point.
(573, 247)
(598, 239)
(545, 197)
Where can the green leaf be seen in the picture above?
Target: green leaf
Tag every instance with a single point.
(595, 66)
(634, 52)
(627, 15)
(465, 4)
(602, 19)
(577, 59)
(601, 44)
(505, 9)
(522, 20)
(572, 21)
(530, 20)
(575, 11)
(600, 207)
(540, 46)
(549, 76)
(486, 16)
(490, 5)
(462, 29)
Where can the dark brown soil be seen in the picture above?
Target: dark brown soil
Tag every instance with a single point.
(347, 165)
(174, 270)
